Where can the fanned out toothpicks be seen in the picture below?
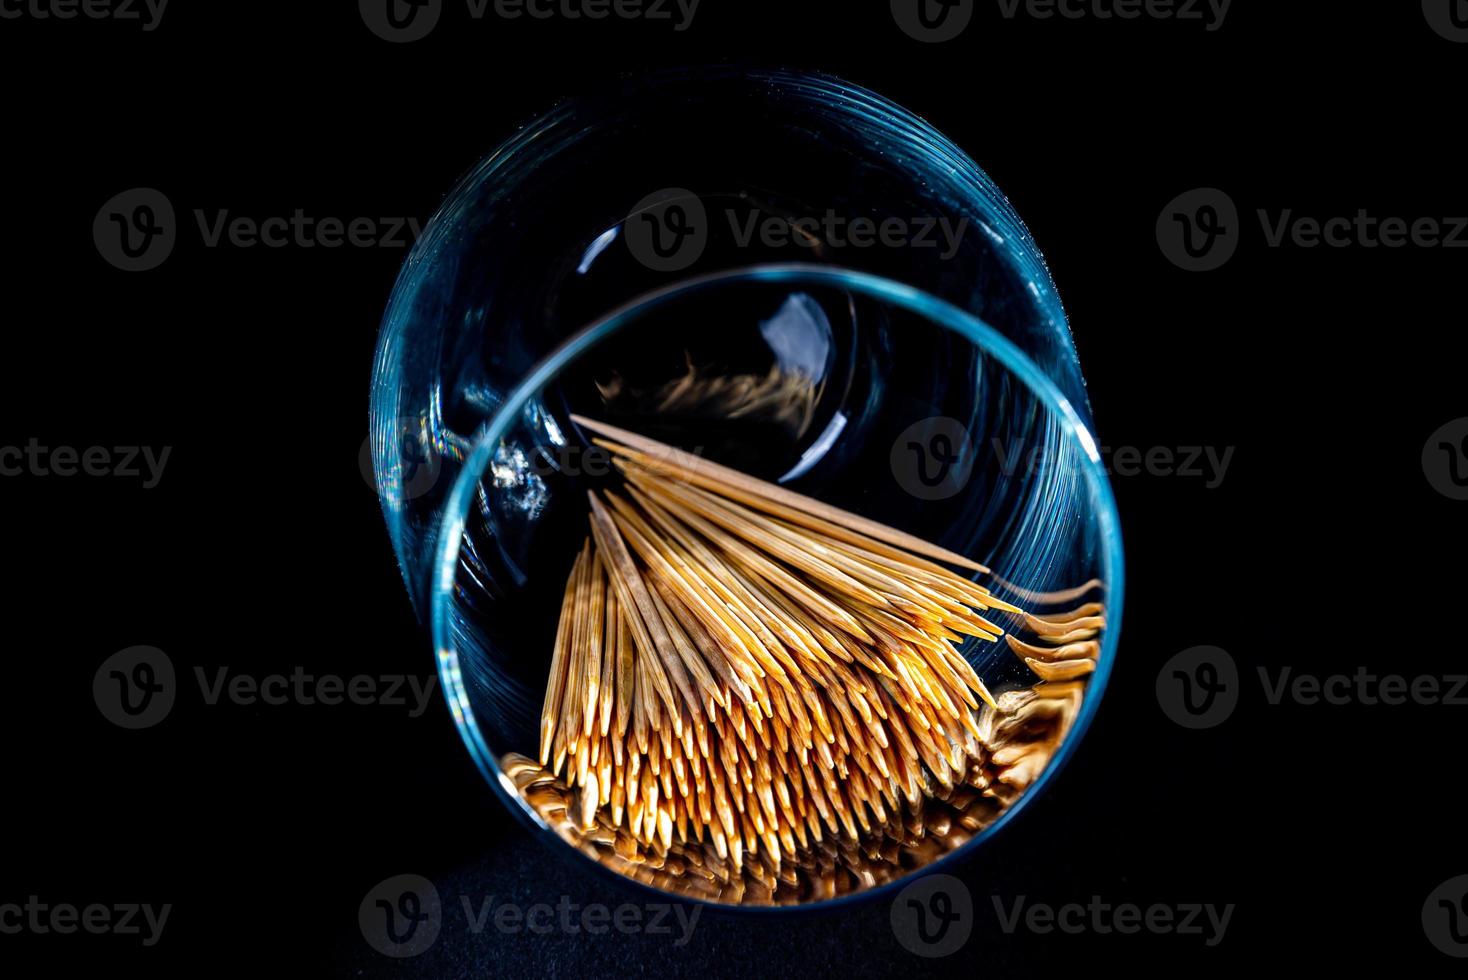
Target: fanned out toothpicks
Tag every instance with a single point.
(1018, 736)
(751, 670)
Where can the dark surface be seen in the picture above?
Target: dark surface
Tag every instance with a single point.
(262, 547)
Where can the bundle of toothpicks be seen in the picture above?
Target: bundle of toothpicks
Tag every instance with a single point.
(746, 667)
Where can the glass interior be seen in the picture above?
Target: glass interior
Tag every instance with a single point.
(539, 239)
(841, 385)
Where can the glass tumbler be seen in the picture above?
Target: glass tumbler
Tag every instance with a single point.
(793, 277)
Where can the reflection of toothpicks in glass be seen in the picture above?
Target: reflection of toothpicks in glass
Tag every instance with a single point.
(786, 397)
(717, 633)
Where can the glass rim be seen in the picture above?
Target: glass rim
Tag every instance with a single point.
(452, 524)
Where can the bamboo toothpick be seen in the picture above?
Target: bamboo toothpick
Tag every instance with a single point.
(741, 674)
(701, 472)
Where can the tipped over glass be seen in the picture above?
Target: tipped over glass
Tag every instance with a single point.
(932, 390)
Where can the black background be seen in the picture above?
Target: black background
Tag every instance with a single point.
(263, 548)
